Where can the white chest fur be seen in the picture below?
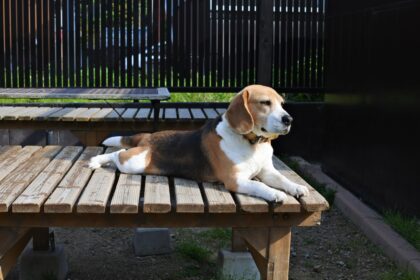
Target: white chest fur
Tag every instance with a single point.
(248, 159)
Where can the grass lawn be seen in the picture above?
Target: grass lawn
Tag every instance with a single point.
(408, 227)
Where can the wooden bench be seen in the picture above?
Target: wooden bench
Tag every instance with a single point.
(52, 186)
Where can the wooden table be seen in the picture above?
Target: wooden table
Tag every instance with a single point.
(52, 186)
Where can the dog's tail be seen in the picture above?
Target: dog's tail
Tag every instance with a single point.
(126, 141)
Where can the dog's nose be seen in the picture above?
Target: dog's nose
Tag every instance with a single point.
(287, 119)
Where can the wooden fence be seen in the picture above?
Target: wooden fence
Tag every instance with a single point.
(186, 45)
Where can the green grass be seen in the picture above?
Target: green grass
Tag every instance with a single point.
(329, 194)
(396, 274)
(192, 250)
(408, 227)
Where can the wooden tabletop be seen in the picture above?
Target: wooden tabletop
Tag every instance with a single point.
(53, 186)
(87, 93)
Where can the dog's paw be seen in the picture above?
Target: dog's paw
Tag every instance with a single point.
(277, 196)
(94, 163)
(299, 190)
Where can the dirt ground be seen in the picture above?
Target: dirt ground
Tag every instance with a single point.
(334, 250)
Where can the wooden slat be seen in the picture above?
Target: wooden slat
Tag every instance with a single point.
(188, 196)
(6, 151)
(47, 113)
(142, 114)
(4, 110)
(56, 116)
(32, 198)
(211, 113)
(16, 182)
(95, 196)
(64, 197)
(72, 115)
(170, 114)
(197, 114)
(219, 199)
(252, 204)
(28, 115)
(156, 195)
(289, 205)
(312, 202)
(86, 115)
(15, 114)
(221, 111)
(13, 241)
(100, 116)
(115, 115)
(129, 114)
(15, 159)
(127, 194)
(184, 114)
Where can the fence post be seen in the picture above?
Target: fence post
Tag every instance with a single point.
(265, 42)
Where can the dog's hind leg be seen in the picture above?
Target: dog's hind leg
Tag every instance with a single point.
(100, 160)
(127, 141)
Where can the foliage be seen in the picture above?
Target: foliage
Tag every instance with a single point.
(408, 227)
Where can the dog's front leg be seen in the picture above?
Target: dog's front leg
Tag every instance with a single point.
(258, 189)
(274, 178)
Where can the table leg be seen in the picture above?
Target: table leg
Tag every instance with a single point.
(41, 239)
(238, 244)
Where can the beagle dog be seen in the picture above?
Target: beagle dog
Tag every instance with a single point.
(233, 149)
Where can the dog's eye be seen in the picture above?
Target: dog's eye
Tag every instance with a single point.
(266, 102)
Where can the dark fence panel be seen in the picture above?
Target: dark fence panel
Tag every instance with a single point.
(186, 45)
(373, 101)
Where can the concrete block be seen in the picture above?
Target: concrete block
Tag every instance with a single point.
(151, 241)
(237, 265)
(48, 264)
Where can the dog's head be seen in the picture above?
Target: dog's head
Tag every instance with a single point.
(259, 109)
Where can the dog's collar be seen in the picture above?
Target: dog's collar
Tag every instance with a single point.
(255, 139)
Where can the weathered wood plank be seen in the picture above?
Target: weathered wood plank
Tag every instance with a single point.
(115, 114)
(218, 198)
(6, 151)
(184, 114)
(127, 194)
(197, 114)
(221, 111)
(100, 116)
(15, 114)
(188, 196)
(289, 205)
(64, 197)
(32, 198)
(312, 202)
(211, 113)
(95, 196)
(87, 93)
(170, 114)
(86, 115)
(16, 182)
(28, 115)
(129, 114)
(157, 198)
(142, 114)
(15, 159)
(251, 204)
(4, 110)
(56, 116)
(72, 115)
(44, 115)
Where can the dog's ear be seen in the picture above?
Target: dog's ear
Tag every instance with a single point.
(238, 114)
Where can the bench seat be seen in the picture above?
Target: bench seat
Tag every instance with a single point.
(52, 186)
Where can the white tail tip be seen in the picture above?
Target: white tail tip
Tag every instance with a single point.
(113, 141)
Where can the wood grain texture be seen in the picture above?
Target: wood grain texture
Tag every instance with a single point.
(15, 114)
(86, 115)
(56, 116)
(64, 197)
(157, 198)
(4, 110)
(96, 194)
(218, 198)
(32, 198)
(72, 115)
(251, 204)
(44, 115)
(9, 150)
(127, 194)
(289, 205)
(100, 115)
(16, 182)
(115, 114)
(15, 158)
(312, 202)
(188, 196)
